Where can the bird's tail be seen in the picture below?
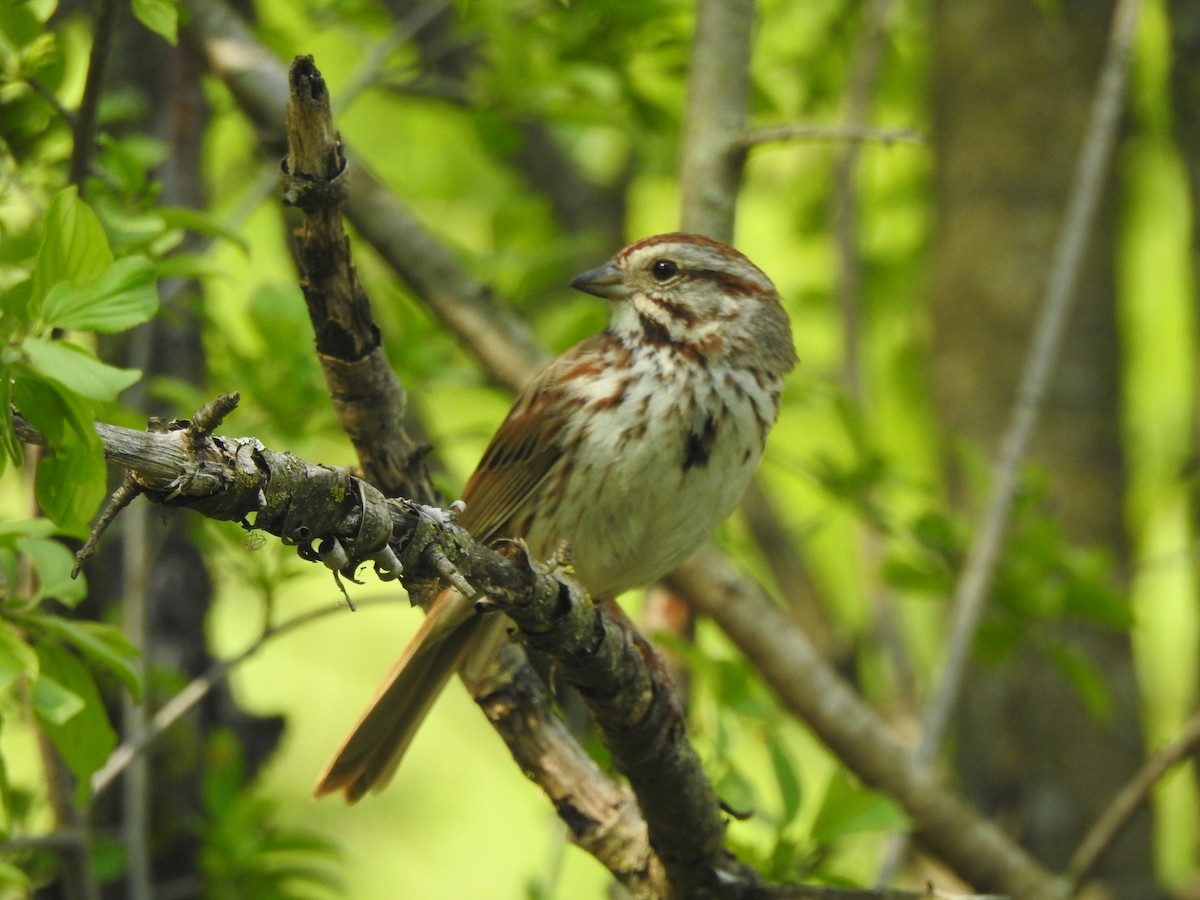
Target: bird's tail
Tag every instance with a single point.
(368, 757)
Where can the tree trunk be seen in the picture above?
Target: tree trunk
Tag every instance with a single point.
(1013, 82)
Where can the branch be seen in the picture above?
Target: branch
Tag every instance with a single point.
(489, 330)
(602, 815)
(321, 508)
(852, 133)
(366, 393)
(505, 351)
(1116, 816)
(1092, 166)
(718, 91)
(970, 844)
(344, 522)
(191, 694)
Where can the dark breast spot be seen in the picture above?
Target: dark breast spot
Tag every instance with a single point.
(699, 444)
(655, 332)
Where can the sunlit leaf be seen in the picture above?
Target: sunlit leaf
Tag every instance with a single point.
(70, 481)
(17, 658)
(101, 644)
(75, 368)
(53, 562)
(74, 246)
(10, 874)
(53, 703)
(86, 738)
(160, 16)
(736, 792)
(850, 809)
(199, 222)
(123, 295)
(785, 777)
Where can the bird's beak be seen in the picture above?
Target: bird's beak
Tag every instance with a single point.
(606, 281)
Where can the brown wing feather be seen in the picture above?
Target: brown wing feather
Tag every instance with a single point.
(522, 452)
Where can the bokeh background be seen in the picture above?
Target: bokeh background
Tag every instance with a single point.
(533, 139)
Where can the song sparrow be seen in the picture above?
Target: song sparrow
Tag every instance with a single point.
(633, 445)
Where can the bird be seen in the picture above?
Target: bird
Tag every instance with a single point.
(630, 447)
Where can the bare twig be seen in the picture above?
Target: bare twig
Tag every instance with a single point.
(125, 494)
(803, 131)
(137, 785)
(845, 188)
(195, 691)
(405, 30)
(1128, 799)
(1092, 166)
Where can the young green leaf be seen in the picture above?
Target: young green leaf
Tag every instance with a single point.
(75, 368)
(16, 656)
(200, 222)
(122, 296)
(11, 875)
(53, 562)
(85, 739)
(74, 246)
(160, 16)
(785, 777)
(10, 447)
(101, 644)
(70, 482)
(851, 809)
(53, 703)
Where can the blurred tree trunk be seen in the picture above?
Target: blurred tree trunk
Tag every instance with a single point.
(178, 590)
(1013, 83)
(1185, 95)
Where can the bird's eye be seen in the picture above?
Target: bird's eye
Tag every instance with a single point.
(663, 269)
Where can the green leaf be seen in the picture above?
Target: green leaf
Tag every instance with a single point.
(103, 645)
(200, 222)
(14, 309)
(10, 874)
(850, 809)
(53, 703)
(27, 527)
(53, 563)
(70, 482)
(10, 447)
(75, 368)
(16, 656)
(85, 739)
(160, 16)
(785, 777)
(74, 246)
(123, 296)
(1087, 680)
(736, 792)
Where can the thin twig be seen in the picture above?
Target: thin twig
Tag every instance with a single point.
(196, 690)
(137, 786)
(1087, 187)
(89, 107)
(1128, 800)
(367, 74)
(845, 171)
(853, 133)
